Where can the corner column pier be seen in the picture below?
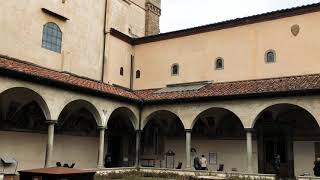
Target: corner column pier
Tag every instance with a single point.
(138, 138)
(102, 130)
(188, 148)
(49, 150)
(249, 150)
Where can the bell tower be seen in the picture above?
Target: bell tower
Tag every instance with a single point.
(153, 12)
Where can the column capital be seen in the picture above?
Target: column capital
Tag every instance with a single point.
(52, 121)
(249, 130)
(188, 130)
(138, 130)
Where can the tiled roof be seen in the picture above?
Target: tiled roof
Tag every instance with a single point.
(239, 88)
(292, 84)
(7, 63)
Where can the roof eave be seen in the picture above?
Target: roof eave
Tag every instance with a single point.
(63, 85)
(234, 97)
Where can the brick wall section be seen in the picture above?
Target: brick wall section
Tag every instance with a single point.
(153, 13)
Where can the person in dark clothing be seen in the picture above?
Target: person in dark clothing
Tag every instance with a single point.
(196, 163)
(316, 169)
(276, 164)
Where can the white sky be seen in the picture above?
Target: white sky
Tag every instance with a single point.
(181, 14)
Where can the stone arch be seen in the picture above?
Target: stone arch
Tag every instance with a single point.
(121, 133)
(80, 103)
(77, 128)
(23, 124)
(27, 95)
(215, 109)
(254, 122)
(150, 115)
(159, 131)
(279, 127)
(128, 112)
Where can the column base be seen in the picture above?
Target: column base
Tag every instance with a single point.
(100, 167)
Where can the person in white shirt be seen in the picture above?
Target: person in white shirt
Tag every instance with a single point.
(203, 163)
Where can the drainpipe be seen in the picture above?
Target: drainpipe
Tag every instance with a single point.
(131, 72)
(104, 40)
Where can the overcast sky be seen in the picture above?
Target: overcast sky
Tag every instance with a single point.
(181, 14)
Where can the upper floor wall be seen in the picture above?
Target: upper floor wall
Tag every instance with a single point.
(118, 68)
(22, 23)
(135, 18)
(127, 16)
(242, 48)
(83, 35)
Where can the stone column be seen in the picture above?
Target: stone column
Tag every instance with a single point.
(188, 148)
(138, 137)
(49, 150)
(290, 155)
(101, 147)
(249, 150)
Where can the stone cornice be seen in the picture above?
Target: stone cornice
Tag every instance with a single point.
(152, 8)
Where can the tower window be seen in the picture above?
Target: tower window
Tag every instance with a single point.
(52, 37)
(270, 56)
(121, 71)
(219, 63)
(137, 74)
(174, 69)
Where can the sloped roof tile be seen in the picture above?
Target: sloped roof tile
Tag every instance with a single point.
(301, 83)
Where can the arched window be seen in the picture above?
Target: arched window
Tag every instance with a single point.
(270, 56)
(175, 69)
(219, 63)
(52, 37)
(121, 71)
(137, 74)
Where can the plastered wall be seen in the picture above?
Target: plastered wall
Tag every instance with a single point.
(242, 48)
(119, 55)
(82, 35)
(83, 151)
(304, 157)
(231, 153)
(29, 149)
(127, 14)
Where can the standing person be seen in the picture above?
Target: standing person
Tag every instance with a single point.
(316, 169)
(203, 163)
(276, 164)
(196, 163)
